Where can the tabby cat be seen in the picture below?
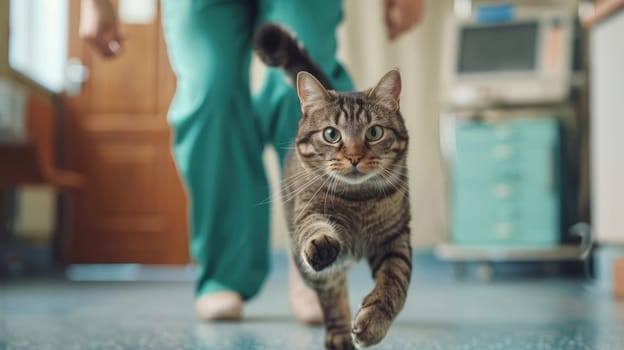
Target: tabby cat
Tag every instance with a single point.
(345, 193)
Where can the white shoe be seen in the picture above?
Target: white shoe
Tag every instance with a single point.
(221, 306)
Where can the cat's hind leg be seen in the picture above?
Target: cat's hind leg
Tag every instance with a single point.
(334, 300)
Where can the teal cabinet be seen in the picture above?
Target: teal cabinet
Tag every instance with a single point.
(504, 183)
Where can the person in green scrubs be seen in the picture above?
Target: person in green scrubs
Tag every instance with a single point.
(220, 129)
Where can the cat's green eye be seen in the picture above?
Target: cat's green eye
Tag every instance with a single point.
(374, 133)
(331, 135)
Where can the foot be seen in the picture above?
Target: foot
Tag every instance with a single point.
(321, 251)
(371, 323)
(221, 306)
(303, 300)
(338, 341)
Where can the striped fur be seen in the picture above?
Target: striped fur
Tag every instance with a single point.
(347, 201)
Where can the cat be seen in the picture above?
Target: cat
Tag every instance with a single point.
(345, 192)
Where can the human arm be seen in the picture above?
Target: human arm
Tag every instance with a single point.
(402, 15)
(100, 28)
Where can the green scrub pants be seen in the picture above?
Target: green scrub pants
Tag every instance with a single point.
(220, 130)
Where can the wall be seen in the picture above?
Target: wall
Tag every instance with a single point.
(607, 123)
(4, 37)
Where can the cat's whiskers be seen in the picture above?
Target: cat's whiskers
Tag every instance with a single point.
(394, 159)
(333, 181)
(297, 178)
(395, 174)
(377, 186)
(399, 165)
(285, 194)
(303, 210)
(335, 186)
(398, 184)
(291, 195)
(400, 187)
(293, 179)
(393, 165)
(388, 184)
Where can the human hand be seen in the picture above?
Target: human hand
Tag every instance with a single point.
(402, 15)
(99, 27)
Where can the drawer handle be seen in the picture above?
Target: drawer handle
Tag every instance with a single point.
(503, 132)
(502, 152)
(551, 180)
(503, 230)
(503, 191)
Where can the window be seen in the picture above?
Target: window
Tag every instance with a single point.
(38, 40)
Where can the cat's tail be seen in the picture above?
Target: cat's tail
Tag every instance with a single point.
(276, 47)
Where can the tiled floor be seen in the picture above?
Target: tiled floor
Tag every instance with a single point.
(440, 314)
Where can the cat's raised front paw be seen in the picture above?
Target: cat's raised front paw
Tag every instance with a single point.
(321, 251)
(370, 325)
(339, 341)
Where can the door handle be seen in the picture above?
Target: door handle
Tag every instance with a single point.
(76, 74)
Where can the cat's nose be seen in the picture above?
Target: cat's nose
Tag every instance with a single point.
(355, 160)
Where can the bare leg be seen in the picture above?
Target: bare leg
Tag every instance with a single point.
(304, 300)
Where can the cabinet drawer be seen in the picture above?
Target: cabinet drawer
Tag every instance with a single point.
(508, 162)
(491, 163)
(505, 233)
(470, 135)
(478, 136)
(504, 216)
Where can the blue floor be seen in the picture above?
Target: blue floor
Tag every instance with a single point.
(441, 313)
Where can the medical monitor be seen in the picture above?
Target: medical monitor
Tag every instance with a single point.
(522, 59)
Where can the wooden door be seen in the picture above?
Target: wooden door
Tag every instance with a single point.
(133, 207)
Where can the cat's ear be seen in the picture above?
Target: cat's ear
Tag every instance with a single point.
(311, 92)
(387, 90)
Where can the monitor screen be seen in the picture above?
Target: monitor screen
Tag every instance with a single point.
(490, 49)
